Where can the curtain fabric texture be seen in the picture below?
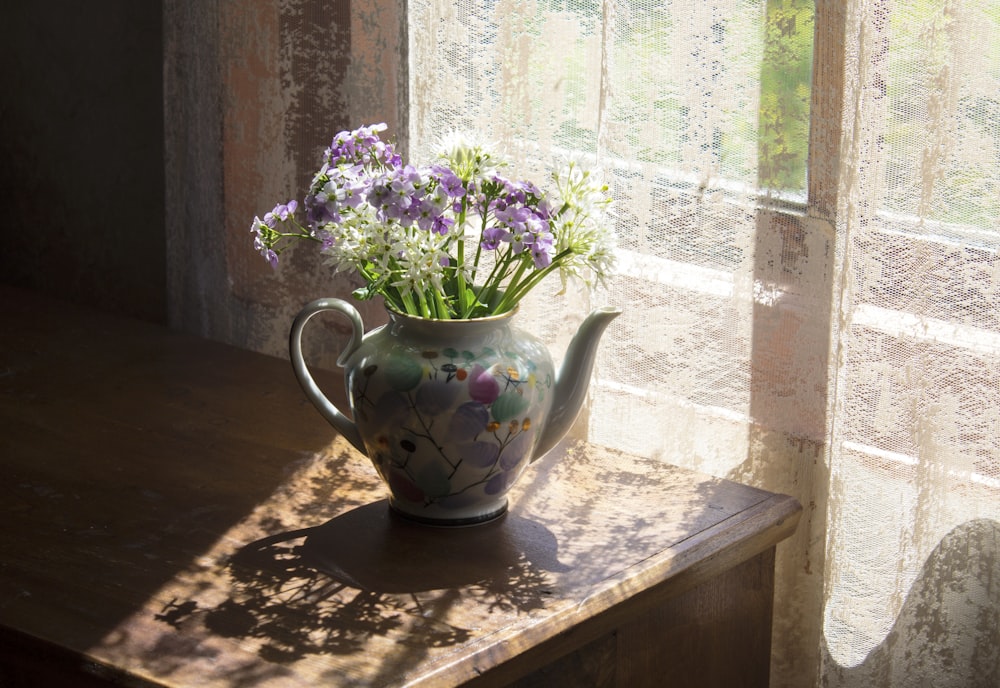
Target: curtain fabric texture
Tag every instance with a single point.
(808, 241)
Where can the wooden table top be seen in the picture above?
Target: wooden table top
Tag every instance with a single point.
(177, 513)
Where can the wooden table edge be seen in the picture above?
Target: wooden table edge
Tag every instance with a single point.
(500, 660)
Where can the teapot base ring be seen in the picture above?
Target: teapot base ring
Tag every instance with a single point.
(457, 522)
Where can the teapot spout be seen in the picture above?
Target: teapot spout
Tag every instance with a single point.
(573, 378)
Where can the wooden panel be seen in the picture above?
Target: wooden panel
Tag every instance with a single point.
(717, 635)
(176, 510)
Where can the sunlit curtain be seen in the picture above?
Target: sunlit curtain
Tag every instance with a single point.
(913, 570)
(809, 272)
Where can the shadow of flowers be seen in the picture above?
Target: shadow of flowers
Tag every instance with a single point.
(368, 572)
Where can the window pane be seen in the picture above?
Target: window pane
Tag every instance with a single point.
(942, 126)
(716, 87)
(691, 108)
(785, 84)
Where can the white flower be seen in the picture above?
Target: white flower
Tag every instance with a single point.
(582, 223)
(468, 159)
(421, 259)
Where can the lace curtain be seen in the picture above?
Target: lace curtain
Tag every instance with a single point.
(808, 209)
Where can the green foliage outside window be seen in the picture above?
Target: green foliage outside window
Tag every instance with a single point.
(785, 84)
(752, 58)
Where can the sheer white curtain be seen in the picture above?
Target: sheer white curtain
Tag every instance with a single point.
(826, 326)
(912, 585)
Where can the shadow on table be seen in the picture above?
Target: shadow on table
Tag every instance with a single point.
(368, 572)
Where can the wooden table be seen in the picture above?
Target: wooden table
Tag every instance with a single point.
(175, 513)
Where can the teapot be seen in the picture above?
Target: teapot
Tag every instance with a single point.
(451, 412)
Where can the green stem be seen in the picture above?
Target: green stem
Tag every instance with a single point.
(298, 235)
(443, 311)
(510, 297)
(460, 252)
(497, 276)
(514, 295)
(409, 306)
(425, 310)
(472, 306)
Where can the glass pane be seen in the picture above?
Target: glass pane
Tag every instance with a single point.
(942, 125)
(714, 88)
(785, 85)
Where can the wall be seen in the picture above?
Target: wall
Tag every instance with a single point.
(139, 139)
(254, 91)
(81, 144)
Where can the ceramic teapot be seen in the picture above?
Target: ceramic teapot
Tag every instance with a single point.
(451, 412)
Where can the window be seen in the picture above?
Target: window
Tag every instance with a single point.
(809, 272)
(699, 114)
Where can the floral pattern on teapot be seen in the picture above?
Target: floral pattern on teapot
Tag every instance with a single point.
(448, 427)
(451, 412)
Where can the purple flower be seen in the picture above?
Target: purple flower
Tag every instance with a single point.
(448, 180)
(353, 192)
(379, 193)
(326, 239)
(365, 207)
(518, 241)
(437, 197)
(423, 215)
(492, 236)
(543, 249)
(403, 182)
(361, 146)
(513, 216)
(442, 225)
(260, 241)
(280, 213)
(417, 213)
(319, 214)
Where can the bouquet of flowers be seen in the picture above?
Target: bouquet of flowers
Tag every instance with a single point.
(454, 239)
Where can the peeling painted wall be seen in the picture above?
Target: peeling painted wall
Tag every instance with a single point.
(254, 91)
(140, 139)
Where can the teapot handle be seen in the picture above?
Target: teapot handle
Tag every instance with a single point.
(342, 423)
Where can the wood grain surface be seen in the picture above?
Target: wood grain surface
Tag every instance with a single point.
(175, 513)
